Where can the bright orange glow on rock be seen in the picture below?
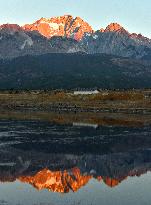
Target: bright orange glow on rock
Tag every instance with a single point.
(111, 182)
(66, 181)
(102, 30)
(114, 27)
(66, 26)
(57, 181)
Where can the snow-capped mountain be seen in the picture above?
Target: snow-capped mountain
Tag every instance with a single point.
(116, 40)
(66, 34)
(15, 41)
(66, 26)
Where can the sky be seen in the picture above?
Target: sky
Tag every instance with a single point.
(134, 15)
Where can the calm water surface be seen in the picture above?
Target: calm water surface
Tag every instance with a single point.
(44, 163)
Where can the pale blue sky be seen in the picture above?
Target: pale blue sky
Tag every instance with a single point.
(134, 15)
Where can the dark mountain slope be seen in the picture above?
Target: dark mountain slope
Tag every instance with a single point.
(73, 70)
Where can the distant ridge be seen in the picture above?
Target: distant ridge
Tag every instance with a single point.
(68, 34)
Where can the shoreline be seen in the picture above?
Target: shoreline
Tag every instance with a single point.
(80, 119)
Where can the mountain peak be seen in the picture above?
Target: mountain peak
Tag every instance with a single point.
(102, 30)
(114, 27)
(61, 26)
(10, 26)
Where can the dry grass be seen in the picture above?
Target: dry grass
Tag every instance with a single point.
(103, 100)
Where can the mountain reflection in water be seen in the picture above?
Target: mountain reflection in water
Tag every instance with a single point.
(66, 173)
(65, 158)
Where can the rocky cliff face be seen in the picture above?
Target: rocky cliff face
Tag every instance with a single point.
(15, 41)
(66, 34)
(66, 26)
(117, 41)
(114, 39)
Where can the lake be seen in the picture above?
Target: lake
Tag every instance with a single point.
(77, 163)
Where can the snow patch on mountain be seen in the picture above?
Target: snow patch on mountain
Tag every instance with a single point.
(55, 26)
(73, 50)
(27, 42)
(95, 36)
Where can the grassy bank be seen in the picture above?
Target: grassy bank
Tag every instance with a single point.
(132, 101)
